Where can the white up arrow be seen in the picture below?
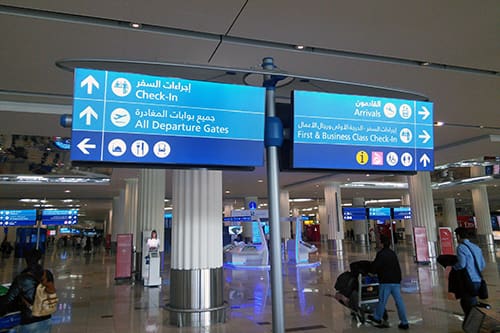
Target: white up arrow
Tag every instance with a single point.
(424, 112)
(88, 113)
(83, 145)
(425, 160)
(90, 82)
(425, 136)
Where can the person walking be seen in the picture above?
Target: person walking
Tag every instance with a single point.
(386, 266)
(470, 257)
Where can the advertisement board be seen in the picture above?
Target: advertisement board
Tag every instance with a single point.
(421, 245)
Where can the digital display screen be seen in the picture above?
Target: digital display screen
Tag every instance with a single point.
(16, 218)
(401, 213)
(380, 213)
(354, 213)
(59, 216)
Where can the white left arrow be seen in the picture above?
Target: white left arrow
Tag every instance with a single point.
(424, 160)
(90, 82)
(425, 136)
(424, 112)
(88, 113)
(84, 145)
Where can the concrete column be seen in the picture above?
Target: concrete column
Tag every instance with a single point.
(197, 279)
(285, 214)
(335, 220)
(422, 207)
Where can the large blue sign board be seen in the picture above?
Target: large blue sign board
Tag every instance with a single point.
(16, 218)
(354, 213)
(335, 131)
(134, 118)
(401, 213)
(59, 216)
(379, 213)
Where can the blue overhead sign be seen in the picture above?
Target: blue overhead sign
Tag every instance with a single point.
(134, 118)
(354, 213)
(59, 216)
(16, 218)
(334, 131)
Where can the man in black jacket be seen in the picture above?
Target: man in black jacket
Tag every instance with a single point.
(386, 266)
(21, 295)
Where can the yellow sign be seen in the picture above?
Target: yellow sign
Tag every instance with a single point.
(362, 157)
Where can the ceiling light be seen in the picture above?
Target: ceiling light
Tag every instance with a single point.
(67, 191)
(382, 201)
(438, 123)
(260, 181)
(135, 25)
(227, 192)
(300, 200)
(300, 47)
(425, 63)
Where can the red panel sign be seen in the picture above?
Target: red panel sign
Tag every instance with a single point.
(446, 240)
(421, 244)
(124, 244)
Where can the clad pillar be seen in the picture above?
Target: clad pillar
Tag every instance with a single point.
(405, 201)
(449, 213)
(422, 207)
(197, 279)
(247, 233)
(150, 213)
(482, 211)
(228, 208)
(359, 227)
(118, 217)
(131, 185)
(285, 215)
(323, 223)
(333, 203)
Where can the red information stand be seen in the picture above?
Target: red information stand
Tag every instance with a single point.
(446, 240)
(421, 245)
(124, 244)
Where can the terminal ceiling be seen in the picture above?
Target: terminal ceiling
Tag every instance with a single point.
(447, 51)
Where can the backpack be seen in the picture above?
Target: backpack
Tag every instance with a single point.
(45, 299)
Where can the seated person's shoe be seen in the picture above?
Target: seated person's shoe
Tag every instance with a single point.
(403, 326)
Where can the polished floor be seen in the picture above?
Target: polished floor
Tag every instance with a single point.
(92, 301)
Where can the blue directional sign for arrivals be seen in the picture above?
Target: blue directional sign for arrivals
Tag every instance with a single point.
(135, 118)
(351, 132)
(16, 218)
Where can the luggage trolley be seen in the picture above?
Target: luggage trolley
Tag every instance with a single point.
(368, 289)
